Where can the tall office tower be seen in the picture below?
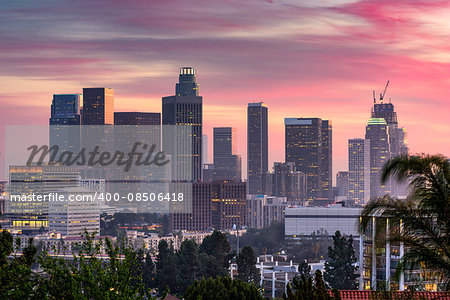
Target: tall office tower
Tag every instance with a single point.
(308, 145)
(98, 106)
(185, 108)
(257, 146)
(342, 183)
(204, 149)
(359, 170)
(227, 165)
(285, 181)
(2, 197)
(131, 128)
(65, 110)
(378, 135)
(228, 206)
(326, 161)
(199, 219)
(397, 137)
(26, 181)
(144, 134)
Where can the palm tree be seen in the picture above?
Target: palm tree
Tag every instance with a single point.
(424, 215)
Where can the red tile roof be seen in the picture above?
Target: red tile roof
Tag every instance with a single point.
(371, 295)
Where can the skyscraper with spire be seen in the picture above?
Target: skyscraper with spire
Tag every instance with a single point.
(186, 108)
(395, 143)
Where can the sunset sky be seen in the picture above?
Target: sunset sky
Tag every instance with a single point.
(307, 58)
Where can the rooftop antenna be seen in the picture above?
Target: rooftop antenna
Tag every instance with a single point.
(374, 99)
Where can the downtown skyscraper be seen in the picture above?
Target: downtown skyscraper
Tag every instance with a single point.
(359, 170)
(186, 108)
(65, 111)
(396, 139)
(377, 134)
(227, 165)
(257, 147)
(98, 106)
(308, 144)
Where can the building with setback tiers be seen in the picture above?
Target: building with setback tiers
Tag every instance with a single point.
(185, 108)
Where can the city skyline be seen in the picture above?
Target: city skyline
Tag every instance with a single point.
(295, 80)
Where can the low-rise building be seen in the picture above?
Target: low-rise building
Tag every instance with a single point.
(263, 210)
(305, 221)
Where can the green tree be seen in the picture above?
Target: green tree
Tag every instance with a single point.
(148, 272)
(89, 276)
(187, 264)
(425, 214)
(166, 272)
(215, 255)
(223, 288)
(303, 288)
(304, 269)
(246, 265)
(268, 239)
(6, 246)
(340, 273)
(17, 280)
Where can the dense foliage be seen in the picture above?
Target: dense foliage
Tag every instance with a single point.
(246, 265)
(304, 288)
(265, 240)
(340, 272)
(223, 288)
(123, 274)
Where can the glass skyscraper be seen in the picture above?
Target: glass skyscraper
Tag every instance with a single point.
(185, 108)
(65, 109)
(308, 144)
(98, 106)
(359, 170)
(64, 122)
(378, 135)
(257, 147)
(227, 165)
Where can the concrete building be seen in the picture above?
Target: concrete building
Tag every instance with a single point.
(380, 260)
(27, 181)
(72, 218)
(342, 183)
(285, 181)
(228, 205)
(197, 217)
(304, 221)
(276, 272)
(263, 210)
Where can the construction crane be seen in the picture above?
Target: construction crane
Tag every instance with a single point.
(374, 99)
(384, 92)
